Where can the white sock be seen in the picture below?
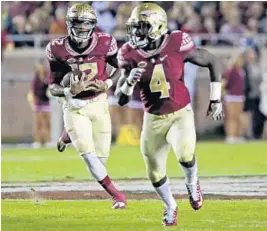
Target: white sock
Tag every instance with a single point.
(190, 174)
(165, 194)
(95, 166)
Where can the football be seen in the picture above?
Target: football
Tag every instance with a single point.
(65, 82)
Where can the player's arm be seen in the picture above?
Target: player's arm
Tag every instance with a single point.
(203, 58)
(128, 78)
(115, 74)
(113, 61)
(123, 98)
(57, 72)
(126, 84)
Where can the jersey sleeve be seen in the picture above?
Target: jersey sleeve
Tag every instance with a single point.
(57, 69)
(113, 48)
(48, 52)
(123, 59)
(187, 44)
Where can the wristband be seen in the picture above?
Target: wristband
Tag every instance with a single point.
(126, 89)
(130, 84)
(109, 83)
(67, 92)
(215, 91)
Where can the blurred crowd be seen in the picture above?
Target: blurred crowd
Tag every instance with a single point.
(245, 97)
(226, 18)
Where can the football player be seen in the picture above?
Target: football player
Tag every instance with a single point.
(154, 59)
(85, 106)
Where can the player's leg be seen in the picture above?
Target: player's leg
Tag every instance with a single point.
(101, 126)
(79, 128)
(182, 137)
(102, 130)
(155, 150)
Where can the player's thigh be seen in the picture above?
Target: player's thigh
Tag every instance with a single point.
(79, 128)
(154, 149)
(182, 135)
(102, 130)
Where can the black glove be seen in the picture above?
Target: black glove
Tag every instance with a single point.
(215, 110)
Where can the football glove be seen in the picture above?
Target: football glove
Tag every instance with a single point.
(135, 75)
(215, 110)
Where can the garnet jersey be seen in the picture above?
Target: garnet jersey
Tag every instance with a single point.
(92, 61)
(162, 84)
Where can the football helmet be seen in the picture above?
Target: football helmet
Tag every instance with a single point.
(81, 21)
(147, 23)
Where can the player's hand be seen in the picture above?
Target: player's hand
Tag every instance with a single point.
(135, 75)
(215, 110)
(97, 86)
(76, 85)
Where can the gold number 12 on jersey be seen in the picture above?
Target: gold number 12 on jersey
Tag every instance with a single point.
(158, 82)
(86, 67)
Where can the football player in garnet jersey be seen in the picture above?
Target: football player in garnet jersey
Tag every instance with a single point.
(154, 59)
(85, 105)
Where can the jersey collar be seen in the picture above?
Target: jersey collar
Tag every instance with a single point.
(157, 51)
(87, 51)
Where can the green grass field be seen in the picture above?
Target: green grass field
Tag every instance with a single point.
(139, 216)
(214, 159)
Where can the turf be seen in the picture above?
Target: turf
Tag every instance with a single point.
(139, 216)
(215, 159)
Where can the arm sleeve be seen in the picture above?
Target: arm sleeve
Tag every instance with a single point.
(187, 44)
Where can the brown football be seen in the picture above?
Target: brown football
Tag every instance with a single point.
(65, 82)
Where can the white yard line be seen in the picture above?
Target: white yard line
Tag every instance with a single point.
(247, 186)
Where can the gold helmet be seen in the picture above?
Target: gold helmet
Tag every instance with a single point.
(148, 22)
(81, 21)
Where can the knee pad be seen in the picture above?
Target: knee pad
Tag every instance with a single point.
(82, 146)
(154, 173)
(185, 150)
(186, 156)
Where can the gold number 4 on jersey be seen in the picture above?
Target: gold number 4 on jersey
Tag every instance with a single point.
(158, 82)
